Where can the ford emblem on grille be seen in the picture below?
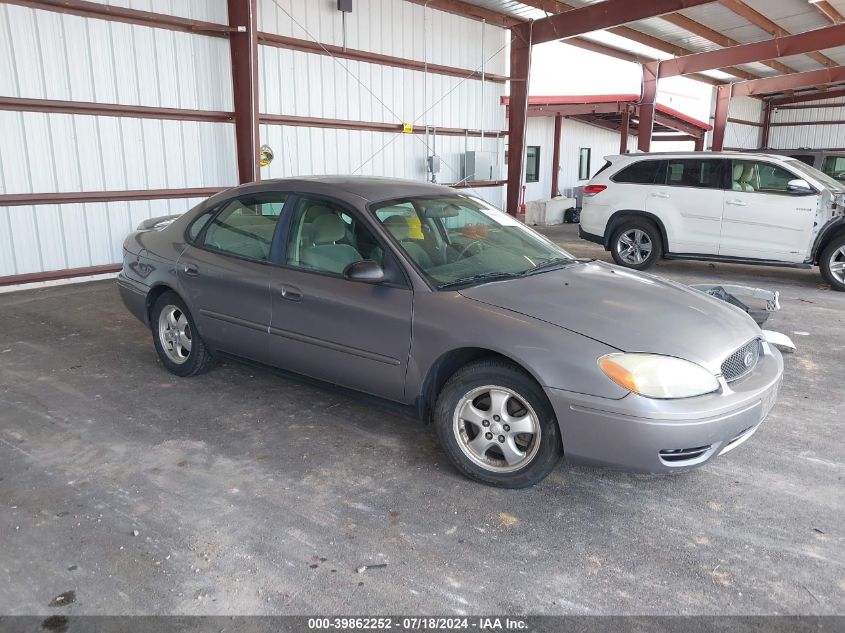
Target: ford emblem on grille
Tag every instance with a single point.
(748, 359)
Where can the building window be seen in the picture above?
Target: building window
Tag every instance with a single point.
(532, 163)
(584, 163)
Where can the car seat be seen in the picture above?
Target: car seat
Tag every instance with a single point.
(748, 177)
(736, 177)
(325, 253)
(400, 228)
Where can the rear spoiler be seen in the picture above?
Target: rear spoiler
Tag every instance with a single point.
(157, 224)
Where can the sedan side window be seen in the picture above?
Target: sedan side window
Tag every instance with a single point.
(324, 237)
(245, 227)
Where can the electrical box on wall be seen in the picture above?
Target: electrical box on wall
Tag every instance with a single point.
(480, 166)
(344, 5)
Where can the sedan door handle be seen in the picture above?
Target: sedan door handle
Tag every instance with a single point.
(291, 294)
(190, 270)
(736, 203)
(659, 194)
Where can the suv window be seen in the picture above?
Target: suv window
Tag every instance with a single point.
(640, 173)
(759, 176)
(834, 166)
(245, 226)
(324, 237)
(693, 172)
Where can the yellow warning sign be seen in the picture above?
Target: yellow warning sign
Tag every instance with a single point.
(407, 128)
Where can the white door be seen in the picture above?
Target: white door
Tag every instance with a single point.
(688, 198)
(762, 219)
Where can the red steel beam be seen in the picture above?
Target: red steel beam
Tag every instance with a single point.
(720, 122)
(466, 10)
(371, 126)
(772, 85)
(556, 155)
(804, 98)
(647, 103)
(86, 9)
(66, 273)
(601, 15)
(520, 68)
(827, 10)
(78, 197)
(780, 46)
(112, 109)
(624, 130)
(244, 48)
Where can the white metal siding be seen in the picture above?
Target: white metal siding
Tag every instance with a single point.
(826, 136)
(205, 10)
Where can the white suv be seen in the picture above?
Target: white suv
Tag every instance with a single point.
(717, 206)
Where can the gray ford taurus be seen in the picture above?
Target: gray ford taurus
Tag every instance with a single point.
(517, 352)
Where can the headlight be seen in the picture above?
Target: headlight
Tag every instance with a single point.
(657, 376)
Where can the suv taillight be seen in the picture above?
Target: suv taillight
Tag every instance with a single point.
(591, 190)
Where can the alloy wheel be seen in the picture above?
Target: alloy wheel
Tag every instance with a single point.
(174, 333)
(496, 429)
(634, 246)
(837, 264)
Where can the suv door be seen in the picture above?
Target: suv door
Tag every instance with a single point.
(688, 198)
(224, 274)
(350, 333)
(762, 218)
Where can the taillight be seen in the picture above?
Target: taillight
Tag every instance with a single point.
(591, 190)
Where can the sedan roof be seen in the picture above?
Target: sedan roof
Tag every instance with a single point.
(370, 188)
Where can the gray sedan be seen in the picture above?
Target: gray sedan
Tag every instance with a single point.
(517, 352)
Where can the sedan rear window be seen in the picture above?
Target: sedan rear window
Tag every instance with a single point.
(640, 173)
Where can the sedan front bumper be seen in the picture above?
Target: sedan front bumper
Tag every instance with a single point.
(646, 435)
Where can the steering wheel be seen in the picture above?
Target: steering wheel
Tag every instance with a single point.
(479, 244)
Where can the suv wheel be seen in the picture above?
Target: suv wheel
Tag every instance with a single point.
(497, 426)
(176, 339)
(636, 244)
(832, 263)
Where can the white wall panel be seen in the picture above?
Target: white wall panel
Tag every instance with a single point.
(59, 236)
(390, 27)
(825, 136)
(44, 153)
(50, 55)
(205, 10)
(307, 84)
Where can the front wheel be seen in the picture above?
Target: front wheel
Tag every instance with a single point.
(636, 244)
(832, 263)
(497, 426)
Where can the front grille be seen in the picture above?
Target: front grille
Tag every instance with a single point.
(676, 456)
(742, 362)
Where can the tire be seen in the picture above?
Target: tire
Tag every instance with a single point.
(472, 393)
(176, 338)
(629, 241)
(832, 263)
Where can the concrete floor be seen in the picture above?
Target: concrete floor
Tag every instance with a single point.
(251, 493)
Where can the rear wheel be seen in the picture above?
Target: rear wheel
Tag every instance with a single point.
(636, 244)
(832, 263)
(497, 426)
(176, 339)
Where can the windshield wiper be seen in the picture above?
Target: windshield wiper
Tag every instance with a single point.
(552, 263)
(480, 277)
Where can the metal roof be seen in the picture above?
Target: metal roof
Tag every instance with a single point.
(705, 28)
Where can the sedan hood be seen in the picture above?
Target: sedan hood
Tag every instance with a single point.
(633, 312)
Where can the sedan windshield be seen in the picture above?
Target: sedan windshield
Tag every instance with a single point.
(461, 240)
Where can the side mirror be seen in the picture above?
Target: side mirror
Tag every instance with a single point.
(799, 186)
(366, 271)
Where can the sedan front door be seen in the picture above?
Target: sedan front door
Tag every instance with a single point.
(353, 334)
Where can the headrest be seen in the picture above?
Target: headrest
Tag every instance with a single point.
(315, 211)
(328, 228)
(398, 227)
(738, 168)
(748, 173)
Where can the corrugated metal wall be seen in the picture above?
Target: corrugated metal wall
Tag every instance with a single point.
(740, 135)
(826, 136)
(50, 55)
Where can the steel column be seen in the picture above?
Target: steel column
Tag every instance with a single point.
(767, 125)
(624, 130)
(556, 154)
(646, 106)
(520, 67)
(720, 119)
(243, 16)
(699, 143)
